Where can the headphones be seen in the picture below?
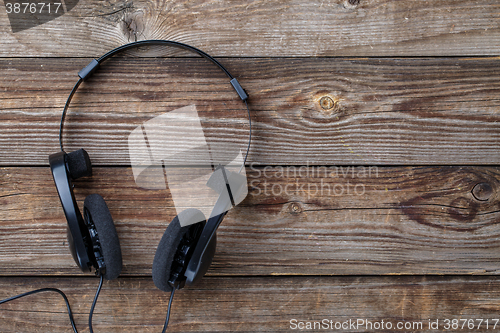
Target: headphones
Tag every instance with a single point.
(185, 251)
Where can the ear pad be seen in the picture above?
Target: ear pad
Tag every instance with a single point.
(96, 209)
(79, 164)
(166, 251)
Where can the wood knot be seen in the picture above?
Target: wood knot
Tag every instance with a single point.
(326, 102)
(351, 4)
(329, 104)
(295, 208)
(325, 107)
(132, 26)
(482, 191)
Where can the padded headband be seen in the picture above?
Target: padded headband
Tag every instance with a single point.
(87, 72)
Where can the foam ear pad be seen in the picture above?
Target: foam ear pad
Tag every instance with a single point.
(96, 208)
(79, 164)
(167, 248)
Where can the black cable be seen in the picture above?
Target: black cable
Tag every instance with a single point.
(249, 136)
(91, 313)
(168, 310)
(65, 110)
(70, 313)
(168, 43)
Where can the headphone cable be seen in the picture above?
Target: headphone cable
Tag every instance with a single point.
(70, 313)
(91, 313)
(168, 310)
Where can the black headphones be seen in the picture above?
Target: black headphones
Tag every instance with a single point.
(184, 253)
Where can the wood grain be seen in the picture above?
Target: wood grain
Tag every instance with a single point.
(382, 93)
(381, 111)
(252, 304)
(295, 221)
(268, 28)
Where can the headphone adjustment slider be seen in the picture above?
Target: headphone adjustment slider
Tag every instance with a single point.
(86, 72)
(239, 89)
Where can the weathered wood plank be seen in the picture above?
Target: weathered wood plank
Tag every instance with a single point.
(295, 221)
(255, 304)
(268, 28)
(304, 111)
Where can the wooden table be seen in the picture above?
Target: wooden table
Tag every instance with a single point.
(394, 105)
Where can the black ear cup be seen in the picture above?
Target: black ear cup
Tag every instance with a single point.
(96, 212)
(79, 164)
(172, 254)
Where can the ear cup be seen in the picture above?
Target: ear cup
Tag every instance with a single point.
(169, 243)
(96, 209)
(79, 164)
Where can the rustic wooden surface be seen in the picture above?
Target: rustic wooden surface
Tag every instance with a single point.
(383, 111)
(256, 304)
(373, 174)
(342, 221)
(270, 28)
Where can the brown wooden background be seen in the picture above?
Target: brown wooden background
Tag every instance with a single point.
(408, 88)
